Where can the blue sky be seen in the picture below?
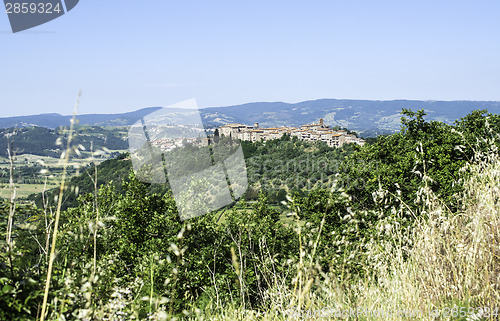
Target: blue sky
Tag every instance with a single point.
(125, 55)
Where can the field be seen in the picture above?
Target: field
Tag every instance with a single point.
(24, 190)
(44, 172)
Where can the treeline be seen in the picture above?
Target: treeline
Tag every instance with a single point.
(421, 153)
(289, 165)
(123, 248)
(47, 142)
(274, 168)
(31, 174)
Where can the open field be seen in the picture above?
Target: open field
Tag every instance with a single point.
(24, 190)
(42, 169)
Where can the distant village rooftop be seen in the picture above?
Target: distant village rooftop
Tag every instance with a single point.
(309, 132)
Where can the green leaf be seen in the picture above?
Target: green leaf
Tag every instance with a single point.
(7, 289)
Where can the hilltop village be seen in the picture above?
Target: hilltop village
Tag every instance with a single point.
(311, 133)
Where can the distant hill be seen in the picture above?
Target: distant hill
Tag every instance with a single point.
(57, 120)
(369, 117)
(42, 141)
(365, 116)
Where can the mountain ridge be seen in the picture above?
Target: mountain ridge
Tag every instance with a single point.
(366, 116)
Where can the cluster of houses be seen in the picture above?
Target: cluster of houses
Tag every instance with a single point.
(311, 133)
(167, 145)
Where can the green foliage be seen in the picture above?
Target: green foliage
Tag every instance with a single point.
(422, 153)
(140, 237)
(123, 248)
(21, 267)
(291, 165)
(274, 167)
(42, 141)
(114, 171)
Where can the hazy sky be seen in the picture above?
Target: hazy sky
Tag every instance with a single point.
(125, 55)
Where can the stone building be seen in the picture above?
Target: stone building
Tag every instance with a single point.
(309, 132)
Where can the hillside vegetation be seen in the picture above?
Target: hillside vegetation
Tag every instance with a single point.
(47, 142)
(409, 223)
(274, 168)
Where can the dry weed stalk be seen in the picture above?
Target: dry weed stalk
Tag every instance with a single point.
(65, 157)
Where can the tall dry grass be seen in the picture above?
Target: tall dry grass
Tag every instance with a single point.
(454, 260)
(452, 267)
(65, 160)
(450, 271)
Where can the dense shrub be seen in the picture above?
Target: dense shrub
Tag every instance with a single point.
(123, 252)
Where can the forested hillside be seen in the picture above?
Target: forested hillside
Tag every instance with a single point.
(56, 120)
(43, 141)
(274, 168)
(416, 211)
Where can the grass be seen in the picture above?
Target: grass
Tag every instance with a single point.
(24, 190)
(450, 271)
(64, 157)
(46, 160)
(53, 174)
